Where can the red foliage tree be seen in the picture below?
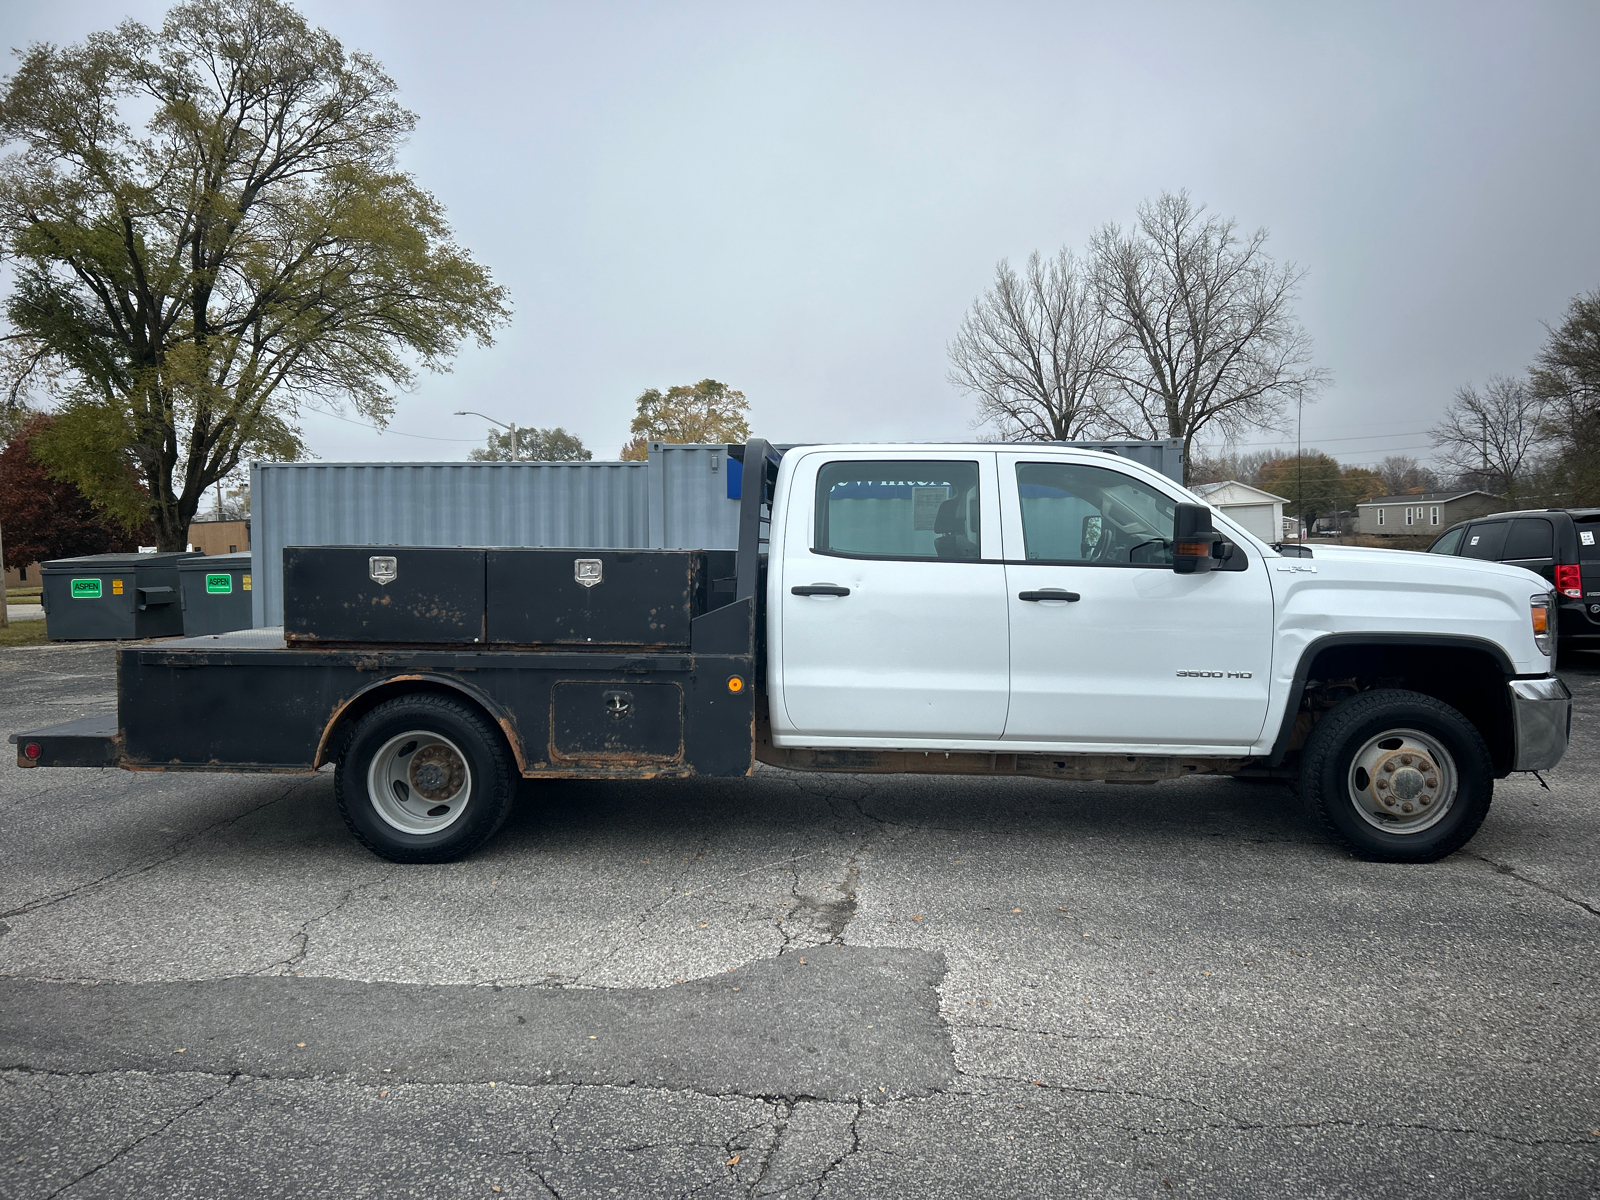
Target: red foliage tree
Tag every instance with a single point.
(45, 518)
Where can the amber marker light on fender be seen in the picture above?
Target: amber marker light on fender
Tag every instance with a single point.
(735, 684)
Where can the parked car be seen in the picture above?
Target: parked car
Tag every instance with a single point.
(1561, 544)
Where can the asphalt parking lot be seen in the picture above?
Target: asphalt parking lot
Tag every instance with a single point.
(787, 985)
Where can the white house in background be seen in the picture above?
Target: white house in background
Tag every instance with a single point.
(1258, 511)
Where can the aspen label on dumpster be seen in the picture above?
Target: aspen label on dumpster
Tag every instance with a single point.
(219, 584)
(86, 589)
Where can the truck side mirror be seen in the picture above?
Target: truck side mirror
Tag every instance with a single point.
(1196, 544)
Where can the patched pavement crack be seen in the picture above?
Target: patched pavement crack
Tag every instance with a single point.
(187, 1111)
(855, 1145)
(780, 1126)
(1508, 869)
(130, 871)
(303, 934)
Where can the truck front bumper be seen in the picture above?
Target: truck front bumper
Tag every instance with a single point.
(1541, 711)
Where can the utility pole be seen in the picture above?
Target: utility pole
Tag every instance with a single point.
(1300, 468)
(5, 619)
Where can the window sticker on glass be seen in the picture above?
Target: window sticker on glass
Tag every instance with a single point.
(1586, 536)
(1474, 540)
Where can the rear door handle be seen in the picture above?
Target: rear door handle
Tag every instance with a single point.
(1050, 594)
(820, 589)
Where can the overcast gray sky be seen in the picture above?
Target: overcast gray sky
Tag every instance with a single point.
(803, 199)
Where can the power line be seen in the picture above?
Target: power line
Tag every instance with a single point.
(397, 432)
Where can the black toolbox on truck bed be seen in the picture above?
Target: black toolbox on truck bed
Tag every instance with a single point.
(451, 595)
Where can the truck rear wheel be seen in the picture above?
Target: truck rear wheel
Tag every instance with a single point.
(1397, 776)
(424, 779)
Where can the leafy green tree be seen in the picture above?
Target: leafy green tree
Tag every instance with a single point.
(1566, 379)
(254, 249)
(1362, 484)
(707, 411)
(532, 445)
(1313, 483)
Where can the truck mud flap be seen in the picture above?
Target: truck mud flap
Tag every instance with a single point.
(87, 742)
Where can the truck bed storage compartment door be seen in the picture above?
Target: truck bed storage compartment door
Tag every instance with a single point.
(1131, 653)
(594, 597)
(891, 625)
(382, 594)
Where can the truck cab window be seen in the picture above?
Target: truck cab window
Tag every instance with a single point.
(1073, 513)
(898, 509)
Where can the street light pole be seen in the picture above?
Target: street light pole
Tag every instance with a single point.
(467, 412)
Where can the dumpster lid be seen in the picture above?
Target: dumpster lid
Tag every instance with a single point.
(239, 561)
(116, 562)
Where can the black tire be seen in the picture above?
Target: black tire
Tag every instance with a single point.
(433, 804)
(1399, 734)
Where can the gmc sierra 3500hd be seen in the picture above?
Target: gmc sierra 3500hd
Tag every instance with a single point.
(953, 609)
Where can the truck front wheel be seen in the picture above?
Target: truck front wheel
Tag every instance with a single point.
(1397, 776)
(424, 779)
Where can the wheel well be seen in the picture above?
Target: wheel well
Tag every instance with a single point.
(1469, 680)
(345, 718)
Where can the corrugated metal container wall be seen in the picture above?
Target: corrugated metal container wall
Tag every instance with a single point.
(602, 504)
(689, 504)
(1164, 456)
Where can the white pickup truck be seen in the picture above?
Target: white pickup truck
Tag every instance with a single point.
(962, 609)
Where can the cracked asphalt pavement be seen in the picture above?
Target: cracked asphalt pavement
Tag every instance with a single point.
(789, 985)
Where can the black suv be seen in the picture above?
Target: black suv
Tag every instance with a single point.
(1562, 544)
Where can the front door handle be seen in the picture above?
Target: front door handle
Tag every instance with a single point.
(1050, 594)
(820, 589)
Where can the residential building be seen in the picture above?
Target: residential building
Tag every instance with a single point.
(1258, 511)
(1425, 513)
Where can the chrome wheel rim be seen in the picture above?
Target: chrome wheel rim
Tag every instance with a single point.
(419, 782)
(1402, 781)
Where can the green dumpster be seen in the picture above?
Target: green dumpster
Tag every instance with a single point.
(102, 597)
(216, 593)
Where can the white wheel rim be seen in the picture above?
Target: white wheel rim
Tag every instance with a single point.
(1402, 781)
(419, 782)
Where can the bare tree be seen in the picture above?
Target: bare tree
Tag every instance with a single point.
(1492, 439)
(1209, 339)
(1035, 350)
(1402, 475)
(1225, 464)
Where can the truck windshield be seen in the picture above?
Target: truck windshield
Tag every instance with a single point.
(1076, 513)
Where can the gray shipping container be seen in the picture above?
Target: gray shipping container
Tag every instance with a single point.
(681, 499)
(677, 500)
(1165, 456)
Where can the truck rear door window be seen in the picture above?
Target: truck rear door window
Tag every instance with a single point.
(1075, 513)
(898, 509)
(1485, 539)
(1589, 541)
(1530, 537)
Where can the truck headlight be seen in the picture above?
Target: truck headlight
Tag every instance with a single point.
(1539, 610)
